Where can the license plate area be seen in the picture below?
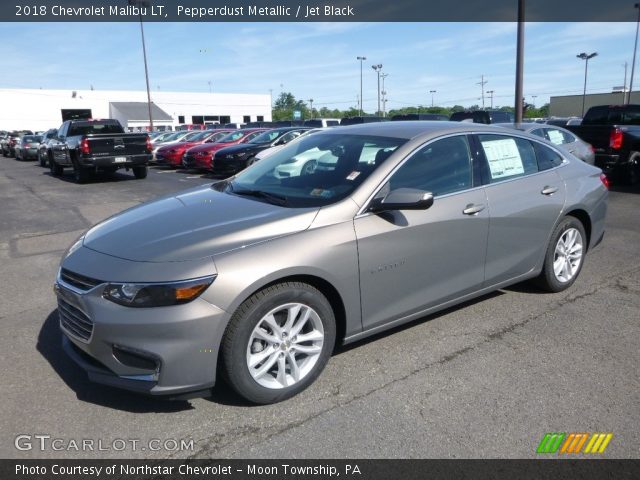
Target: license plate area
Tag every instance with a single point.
(120, 159)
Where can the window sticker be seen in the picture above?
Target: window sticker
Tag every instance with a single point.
(353, 175)
(503, 157)
(321, 192)
(555, 136)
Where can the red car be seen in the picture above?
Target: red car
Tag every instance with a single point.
(200, 156)
(171, 154)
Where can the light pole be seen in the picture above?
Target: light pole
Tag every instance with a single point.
(624, 85)
(534, 100)
(482, 83)
(384, 95)
(378, 69)
(432, 92)
(490, 92)
(635, 47)
(311, 106)
(519, 64)
(585, 57)
(209, 82)
(140, 4)
(361, 59)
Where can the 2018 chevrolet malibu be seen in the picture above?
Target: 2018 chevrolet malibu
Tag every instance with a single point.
(259, 276)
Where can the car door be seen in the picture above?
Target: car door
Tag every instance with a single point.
(525, 197)
(59, 148)
(410, 260)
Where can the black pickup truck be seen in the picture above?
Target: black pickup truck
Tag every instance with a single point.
(614, 132)
(89, 146)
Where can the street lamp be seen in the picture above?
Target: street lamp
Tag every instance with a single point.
(585, 57)
(635, 47)
(362, 59)
(432, 92)
(140, 4)
(378, 69)
(311, 106)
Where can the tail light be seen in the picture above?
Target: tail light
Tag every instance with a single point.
(592, 148)
(149, 144)
(84, 146)
(605, 181)
(615, 139)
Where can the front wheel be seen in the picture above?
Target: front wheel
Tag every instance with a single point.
(55, 169)
(564, 258)
(278, 342)
(140, 172)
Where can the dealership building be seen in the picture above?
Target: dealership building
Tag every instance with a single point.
(38, 109)
(571, 105)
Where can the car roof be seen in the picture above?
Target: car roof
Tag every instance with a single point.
(410, 128)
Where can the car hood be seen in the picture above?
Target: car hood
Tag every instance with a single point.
(198, 223)
(243, 147)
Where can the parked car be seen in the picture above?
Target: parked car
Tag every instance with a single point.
(171, 154)
(264, 153)
(89, 146)
(270, 274)
(614, 132)
(563, 121)
(175, 137)
(358, 120)
(230, 160)
(322, 122)
(421, 116)
(558, 136)
(13, 138)
(44, 148)
(482, 116)
(200, 156)
(27, 148)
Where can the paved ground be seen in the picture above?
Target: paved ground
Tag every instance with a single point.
(487, 379)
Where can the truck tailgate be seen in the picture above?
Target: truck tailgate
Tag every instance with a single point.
(596, 135)
(117, 144)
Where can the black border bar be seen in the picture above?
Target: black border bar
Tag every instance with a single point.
(316, 11)
(556, 469)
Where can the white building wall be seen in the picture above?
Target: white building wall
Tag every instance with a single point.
(35, 109)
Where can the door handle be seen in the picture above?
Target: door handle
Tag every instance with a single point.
(549, 190)
(473, 209)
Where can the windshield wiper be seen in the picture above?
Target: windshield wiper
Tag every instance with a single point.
(270, 197)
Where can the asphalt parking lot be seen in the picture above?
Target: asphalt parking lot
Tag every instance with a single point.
(484, 380)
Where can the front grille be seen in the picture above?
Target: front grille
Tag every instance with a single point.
(74, 321)
(78, 281)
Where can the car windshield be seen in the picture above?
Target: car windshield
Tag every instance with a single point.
(188, 136)
(232, 137)
(267, 137)
(216, 137)
(314, 171)
(31, 139)
(200, 136)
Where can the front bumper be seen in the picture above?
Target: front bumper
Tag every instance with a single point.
(227, 166)
(156, 351)
(169, 159)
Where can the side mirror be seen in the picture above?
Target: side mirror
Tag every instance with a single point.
(403, 199)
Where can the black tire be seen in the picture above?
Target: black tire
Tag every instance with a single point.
(81, 175)
(55, 169)
(42, 159)
(548, 280)
(140, 172)
(16, 156)
(238, 334)
(629, 173)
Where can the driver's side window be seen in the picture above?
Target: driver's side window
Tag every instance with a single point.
(441, 167)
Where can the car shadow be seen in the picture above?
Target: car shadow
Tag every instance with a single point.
(102, 177)
(50, 347)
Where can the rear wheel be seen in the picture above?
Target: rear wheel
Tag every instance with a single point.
(140, 172)
(564, 258)
(278, 342)
(81, 175)
(42, 159)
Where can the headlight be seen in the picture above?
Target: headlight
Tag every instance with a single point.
(156, 294)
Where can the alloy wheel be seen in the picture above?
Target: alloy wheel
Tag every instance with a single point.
(568, 255)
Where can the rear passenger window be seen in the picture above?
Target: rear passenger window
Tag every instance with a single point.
(508, 157)
(547, 158)
(441, 167)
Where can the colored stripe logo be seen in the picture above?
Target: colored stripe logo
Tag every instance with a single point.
(568, 443)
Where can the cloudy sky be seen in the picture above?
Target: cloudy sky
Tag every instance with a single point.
(318, 60)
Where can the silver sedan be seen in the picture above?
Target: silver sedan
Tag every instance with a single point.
(559, 136)
(267, 273)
